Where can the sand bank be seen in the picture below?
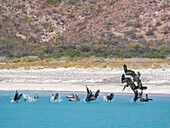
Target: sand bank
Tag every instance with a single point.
(75, 79)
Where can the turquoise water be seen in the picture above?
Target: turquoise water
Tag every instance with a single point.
(121, 112)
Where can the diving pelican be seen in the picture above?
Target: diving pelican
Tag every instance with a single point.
(135, 77)
(91, 96)
(17, 97)
(109, 97)
(55, 97)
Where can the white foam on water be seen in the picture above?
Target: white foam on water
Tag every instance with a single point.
(105, 100)
(13, 101)
(27, 98)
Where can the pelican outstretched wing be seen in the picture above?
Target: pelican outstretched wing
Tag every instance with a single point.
(16, 95)
(125, 87)
(88, 91)
(97, 93)
(19, 96)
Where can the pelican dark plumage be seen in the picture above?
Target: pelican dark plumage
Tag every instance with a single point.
(75, 99)
(109, 97)
(55, 97)
(136, 96)
(146, 99)
(129, 83)
(91, 96)
(17, 96)
(36, 96)
(135, 77)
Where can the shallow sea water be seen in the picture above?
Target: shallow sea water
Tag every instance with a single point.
(119, 113)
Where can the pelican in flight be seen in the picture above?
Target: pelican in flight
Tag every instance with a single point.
(132, 86)
(90, 95)
(135, 77)
(129, 83)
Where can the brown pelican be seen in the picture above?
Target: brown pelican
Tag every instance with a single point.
(91, 96)
(71, 96)
(146, 99)
(136, 96)
(36, 97)
(135, 77)
(75, 99)
(55, 97)
(17, 97)
(109, 97)
(129, 83)
(132, 86)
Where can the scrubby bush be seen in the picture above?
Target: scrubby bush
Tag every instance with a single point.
(149, 33)
(128, 24)
(53, 2)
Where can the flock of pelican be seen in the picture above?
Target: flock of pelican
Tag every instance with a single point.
(90, 96)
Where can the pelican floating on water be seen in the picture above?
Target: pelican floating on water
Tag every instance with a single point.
(36, 96)
(91, 96)
(75, 99)
(71, 96)
(146, 99)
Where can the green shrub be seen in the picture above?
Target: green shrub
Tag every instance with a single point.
(149, 33)
(48, 26)
(72, 1)
(137, 25)
(53, 2)
(82, 27)
(158, 23)
(128, 24)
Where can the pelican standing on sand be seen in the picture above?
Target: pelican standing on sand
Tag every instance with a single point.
(91, 96)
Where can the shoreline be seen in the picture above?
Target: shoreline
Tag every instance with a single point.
(84, 92)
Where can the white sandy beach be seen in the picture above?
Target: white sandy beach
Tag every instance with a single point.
(75, 79)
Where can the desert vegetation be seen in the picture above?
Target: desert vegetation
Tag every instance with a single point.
(80, 29)
(35, 63)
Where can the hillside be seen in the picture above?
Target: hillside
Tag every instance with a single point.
(85, 28)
